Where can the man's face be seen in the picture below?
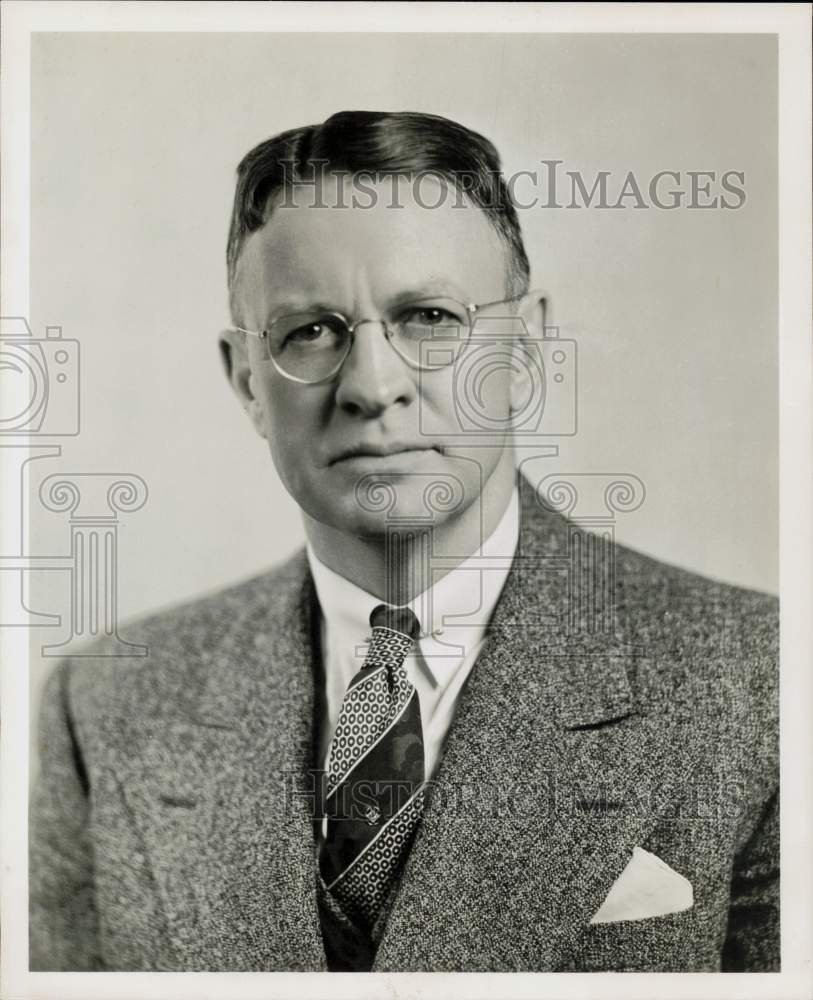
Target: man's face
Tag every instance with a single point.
(378, 422)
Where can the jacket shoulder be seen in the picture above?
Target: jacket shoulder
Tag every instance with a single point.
(180, 641)
(678, 610)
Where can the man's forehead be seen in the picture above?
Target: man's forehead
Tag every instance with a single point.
(421, 192)
(397, 229)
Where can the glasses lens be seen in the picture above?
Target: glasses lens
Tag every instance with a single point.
(431, 332)
(309, 346)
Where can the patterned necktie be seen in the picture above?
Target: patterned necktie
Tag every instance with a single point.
(375, 777)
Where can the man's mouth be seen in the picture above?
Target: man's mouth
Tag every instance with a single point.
(383, 450)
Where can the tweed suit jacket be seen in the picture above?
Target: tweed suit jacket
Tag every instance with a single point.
(172, 822)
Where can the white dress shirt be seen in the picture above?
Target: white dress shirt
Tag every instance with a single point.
(454, 614)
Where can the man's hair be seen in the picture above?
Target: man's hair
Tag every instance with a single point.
(377, 143)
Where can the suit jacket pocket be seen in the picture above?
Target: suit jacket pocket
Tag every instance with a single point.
(674, 942)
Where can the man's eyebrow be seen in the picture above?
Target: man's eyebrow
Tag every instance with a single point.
(427, 290)
(291, 306)
(432, 289)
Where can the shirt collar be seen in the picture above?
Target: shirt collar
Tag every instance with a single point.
(469, 591)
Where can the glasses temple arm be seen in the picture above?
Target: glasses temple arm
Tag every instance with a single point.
(261, 334)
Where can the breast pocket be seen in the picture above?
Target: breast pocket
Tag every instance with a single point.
(675, 942)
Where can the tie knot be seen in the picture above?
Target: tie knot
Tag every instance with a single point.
(401, 620)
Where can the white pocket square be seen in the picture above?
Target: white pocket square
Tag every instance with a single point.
(647, 887)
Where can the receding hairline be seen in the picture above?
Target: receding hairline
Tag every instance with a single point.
(516, 280)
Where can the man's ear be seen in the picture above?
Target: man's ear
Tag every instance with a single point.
(237, 366)
(534, 308)
(534, 312)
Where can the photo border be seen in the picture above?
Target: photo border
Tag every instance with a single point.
(791, 23)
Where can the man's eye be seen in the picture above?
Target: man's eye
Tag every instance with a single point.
(310, 333)
(313, 331)
(430, 316)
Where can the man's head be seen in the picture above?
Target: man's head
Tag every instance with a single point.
(400, 221)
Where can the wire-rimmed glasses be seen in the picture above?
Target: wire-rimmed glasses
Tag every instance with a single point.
(311, 346)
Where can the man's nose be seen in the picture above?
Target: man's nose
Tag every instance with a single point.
(373, 376)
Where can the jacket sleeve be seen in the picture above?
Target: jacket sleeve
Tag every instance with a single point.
(62, 913)
(752, 939)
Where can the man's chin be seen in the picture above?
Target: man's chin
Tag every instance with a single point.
(377, 510)
(372, 505)
(427, 495)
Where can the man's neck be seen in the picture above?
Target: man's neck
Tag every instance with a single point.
(395, 567)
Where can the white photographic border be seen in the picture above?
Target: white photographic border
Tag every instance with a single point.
(791, 23)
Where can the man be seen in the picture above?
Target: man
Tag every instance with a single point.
(457, 732)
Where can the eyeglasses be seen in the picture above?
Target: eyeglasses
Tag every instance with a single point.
(311, 346)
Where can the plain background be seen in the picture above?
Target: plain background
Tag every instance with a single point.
(135, 139)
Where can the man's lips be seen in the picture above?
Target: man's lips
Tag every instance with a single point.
(382, 450)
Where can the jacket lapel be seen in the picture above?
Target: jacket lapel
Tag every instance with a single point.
(221, 796)
(536, 806)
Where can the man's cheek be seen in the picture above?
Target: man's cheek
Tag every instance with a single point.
(287, 460)
(436, 405)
